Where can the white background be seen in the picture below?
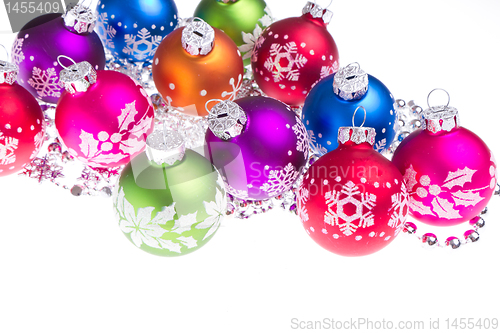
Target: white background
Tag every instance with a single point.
(65, 266)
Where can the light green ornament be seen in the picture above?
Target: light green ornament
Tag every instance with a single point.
(169, 201)
(242, 20)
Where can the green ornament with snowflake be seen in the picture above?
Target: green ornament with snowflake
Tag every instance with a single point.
(242, 20)
(169, 201)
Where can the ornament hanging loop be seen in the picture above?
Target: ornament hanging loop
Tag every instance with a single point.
(209, 101)
(331, 1)
(6, 53)
(354, 114)
(66, 57)
(447, 104)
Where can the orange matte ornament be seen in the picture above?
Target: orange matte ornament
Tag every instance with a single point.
(195, 64)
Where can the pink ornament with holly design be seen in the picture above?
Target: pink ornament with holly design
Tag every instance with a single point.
(449, 171)
(103, 117)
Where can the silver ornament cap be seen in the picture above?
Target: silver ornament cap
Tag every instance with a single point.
(80, 19)
(357, 135)
(317, 12)
(8, 72)
(350, 82)
(226, 119)
(165, 147)
(198, 37)
(441, 118)
(78, 77)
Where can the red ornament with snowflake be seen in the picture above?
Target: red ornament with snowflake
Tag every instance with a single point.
(449, 170)
(22, 126)
(103, 117)
(352, 200)
(293, 54)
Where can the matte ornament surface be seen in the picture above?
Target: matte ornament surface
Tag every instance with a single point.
(37, 47)
(187, 82)
(291, 55)
(324, 113)
(173, 210)
(108, 124)
(266, 158)
(352, 201)
(451, 175)
(22, 128)
(132, 30)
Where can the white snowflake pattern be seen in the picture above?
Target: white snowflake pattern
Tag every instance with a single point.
(440, 206)
(38, 140)
(8, 146)
(105, 31)
(236, 88)
(17, 51)
(380, 145)
(281, 55)
(399, 209)
(350, 195)
(100, 151)
(280, 180)
(253, 41)
(316, 147)
(302, 198)
(215, 210)
(46, 83)
(240, 194)
(302, 139)
(142, 45)
(327, 70)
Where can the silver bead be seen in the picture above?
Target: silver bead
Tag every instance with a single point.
(76, 190)
(106, 192)
(471, 235)
(484, 211)
(410, 228)
(453, 242)
(430, 239)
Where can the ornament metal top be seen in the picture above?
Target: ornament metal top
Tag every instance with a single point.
(317, 11)
(198, 38)
(350, 82)
(8, 72)
(440, 118)
(77, 77)
(226, 119)
(165, 147)
(80, 19)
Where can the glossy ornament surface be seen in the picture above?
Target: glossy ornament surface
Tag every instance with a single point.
(352, 200)
(450, 172)
(133, 29)
(235, 18)
(37, 47)
(293, 54)
(22, 125)
(325, 111)
(170, 210)
(188, 81)
(107, 124)
(267, 156)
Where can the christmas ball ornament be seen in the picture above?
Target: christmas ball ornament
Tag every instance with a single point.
(197, 63)
(332, 101)
(132, 30)
(258, 144)
(293, 54)
(44, 38)
(169, 200)
(103, 117)
(22, 126)
(242, 20)
(352, 201)
(450, 172)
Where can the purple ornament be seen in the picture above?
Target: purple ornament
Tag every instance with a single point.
(46, 37)
(258, 144)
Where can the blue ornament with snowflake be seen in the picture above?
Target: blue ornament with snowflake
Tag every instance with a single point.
(332, 102)
(132, 30)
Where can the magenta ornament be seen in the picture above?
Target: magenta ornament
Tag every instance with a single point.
(104, 117)
(450, 172)
(258, 144)
(42, 40)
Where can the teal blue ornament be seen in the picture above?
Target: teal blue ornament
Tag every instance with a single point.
(132, 30)
(333, 101)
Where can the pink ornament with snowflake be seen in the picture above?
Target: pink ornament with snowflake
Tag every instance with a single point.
(106, 125)
(450, 172)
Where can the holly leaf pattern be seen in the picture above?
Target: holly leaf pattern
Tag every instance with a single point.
(467, 198)
(184, 223)
(88, 146)
(443, 208)
(132, 145)
(105, 159)
(410, 178)
(165, 215)
(127, 116)
(419, 207)
(459, 177)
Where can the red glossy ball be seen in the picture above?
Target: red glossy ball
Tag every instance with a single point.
(106, 125)
(292, 55)
(22, 128)
(352, 200)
